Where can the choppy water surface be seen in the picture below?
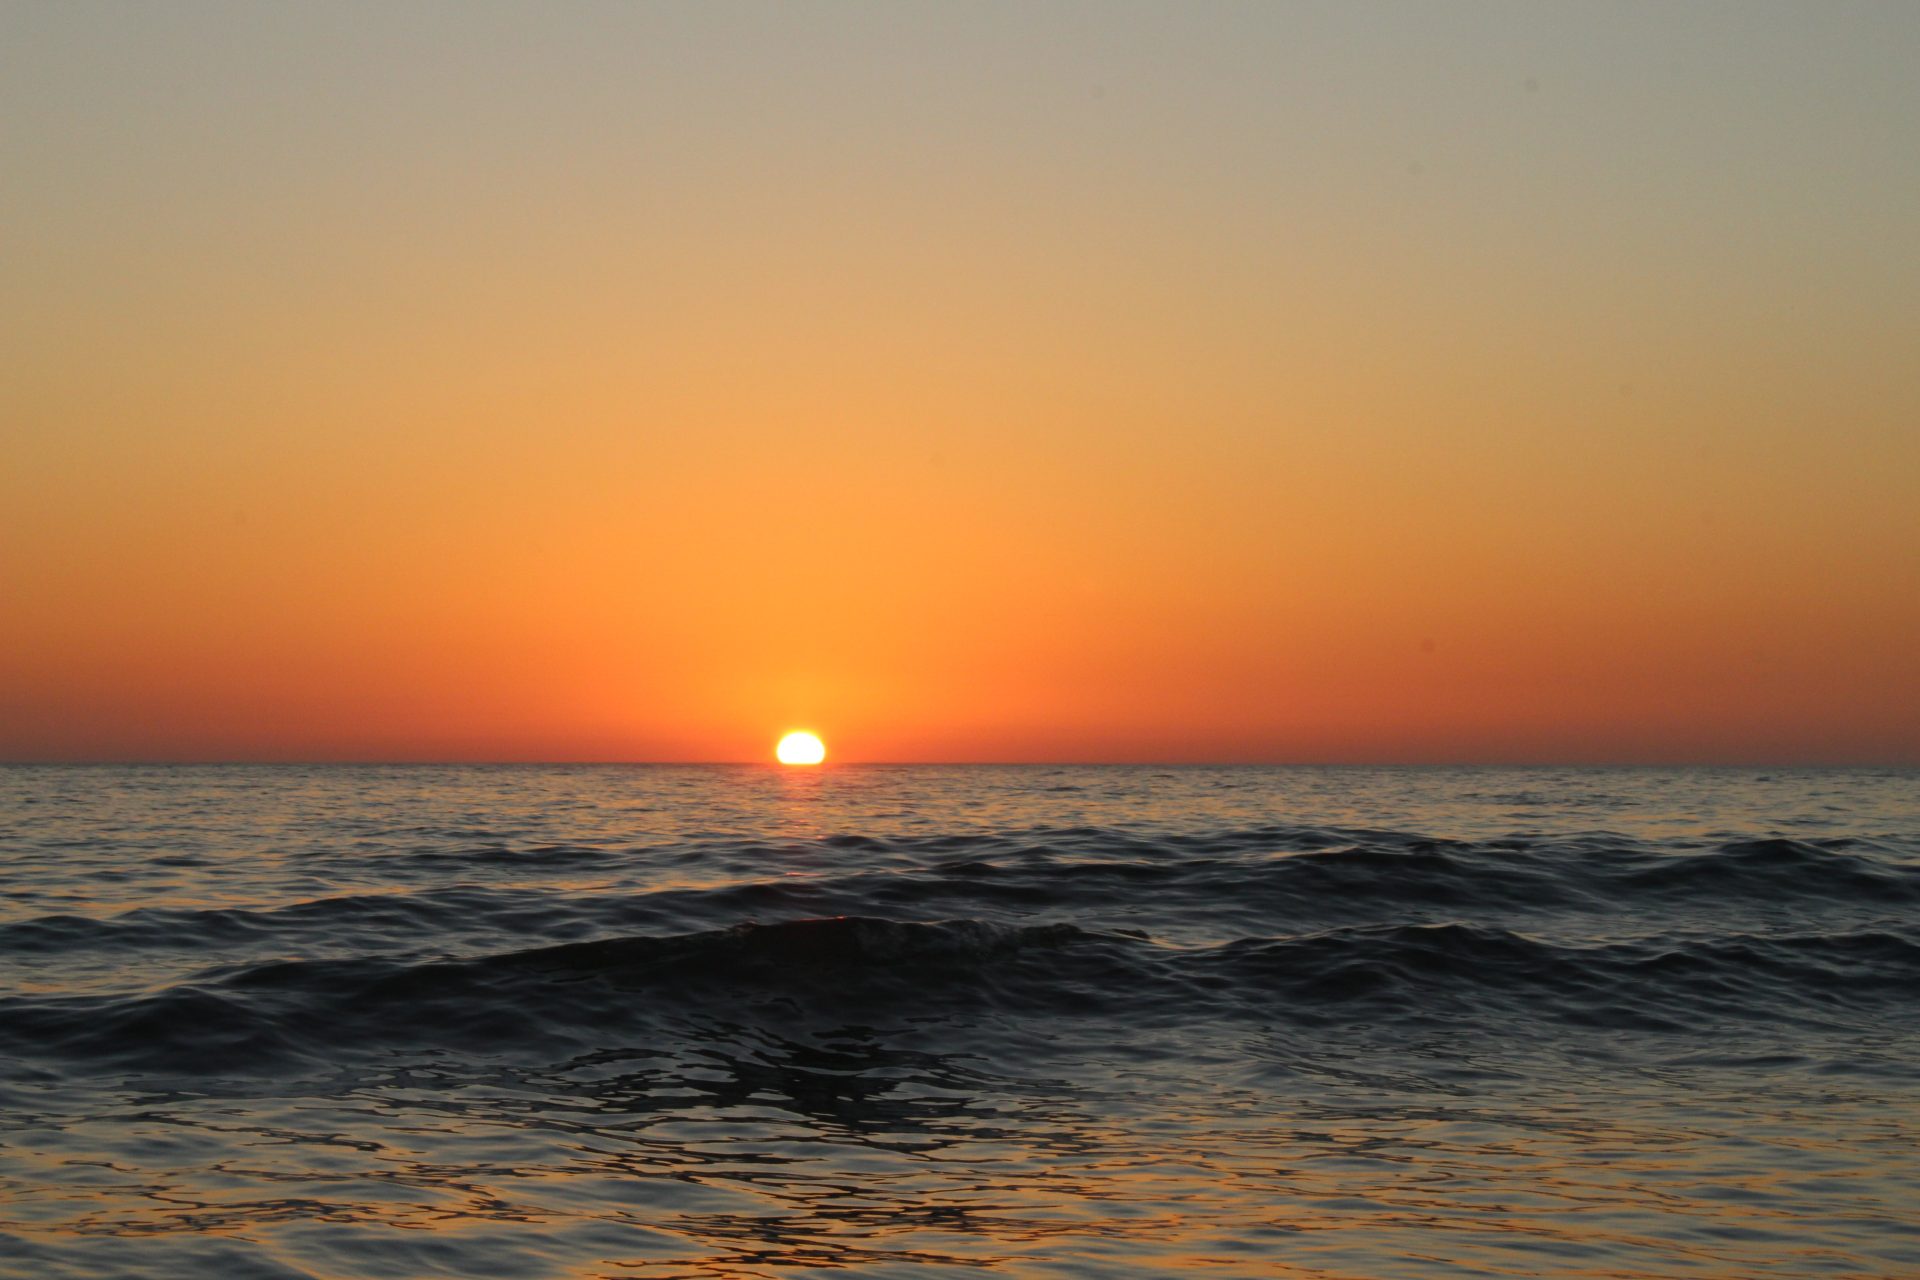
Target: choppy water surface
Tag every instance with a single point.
(573, 1022)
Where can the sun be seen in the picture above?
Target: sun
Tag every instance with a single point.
(800, 747)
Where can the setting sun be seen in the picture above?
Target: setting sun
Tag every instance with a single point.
(800, 748)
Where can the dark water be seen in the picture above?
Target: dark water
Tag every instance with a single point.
(597, 1022)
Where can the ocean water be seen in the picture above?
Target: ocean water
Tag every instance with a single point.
(1067, 1022)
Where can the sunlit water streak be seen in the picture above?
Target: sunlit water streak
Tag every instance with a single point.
(572, 1022)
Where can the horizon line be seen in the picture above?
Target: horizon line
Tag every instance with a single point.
(376, 763)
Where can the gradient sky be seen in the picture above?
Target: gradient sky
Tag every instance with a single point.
(986, 381)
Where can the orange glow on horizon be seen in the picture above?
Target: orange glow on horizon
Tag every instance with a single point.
(1267, 414)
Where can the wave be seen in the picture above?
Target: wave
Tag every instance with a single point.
(875, 970)
(1211, 887)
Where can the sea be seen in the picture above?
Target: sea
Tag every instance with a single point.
(662, 1021)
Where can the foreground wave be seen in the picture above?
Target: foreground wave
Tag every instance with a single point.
(542, 1000)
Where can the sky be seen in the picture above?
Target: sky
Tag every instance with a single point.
(1082, 382)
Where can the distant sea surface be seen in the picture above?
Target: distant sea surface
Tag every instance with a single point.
(584, 1022)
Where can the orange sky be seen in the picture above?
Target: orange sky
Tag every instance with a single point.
(1108, 383)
